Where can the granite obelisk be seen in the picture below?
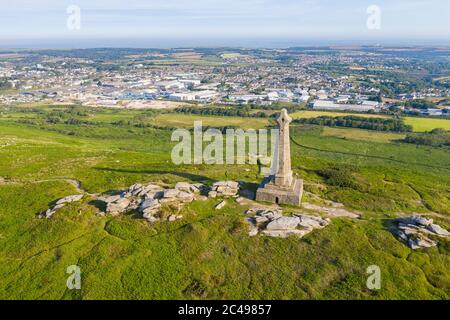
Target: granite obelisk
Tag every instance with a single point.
(282, 187)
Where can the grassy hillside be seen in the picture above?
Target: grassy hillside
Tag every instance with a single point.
(208, 254)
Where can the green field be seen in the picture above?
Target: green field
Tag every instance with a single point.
(187, 121)
(427, 124)
(208, 254)
(418, 124)
(364, 135)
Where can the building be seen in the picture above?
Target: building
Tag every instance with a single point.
(331, 105)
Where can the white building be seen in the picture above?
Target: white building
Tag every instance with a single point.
(331, 105)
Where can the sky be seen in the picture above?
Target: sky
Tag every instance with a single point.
(139, 23)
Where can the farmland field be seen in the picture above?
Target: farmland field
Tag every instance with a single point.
(208, 254)
(427, 124)
(365, 135)
(187, 121)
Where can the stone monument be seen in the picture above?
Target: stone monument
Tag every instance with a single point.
(281, 187)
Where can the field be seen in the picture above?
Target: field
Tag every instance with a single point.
(187, 121)
(364, 135)
(419, 124)
(427, 124)
(208, 254)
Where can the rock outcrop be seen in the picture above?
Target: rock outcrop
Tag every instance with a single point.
(224, 189)
(419, 232)
(272, 223)
(149, 199)
(60, 204)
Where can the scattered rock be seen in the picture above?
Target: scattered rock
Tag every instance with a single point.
(253, 229)
(417, 220)
(221, 205)
(212, 194)
(421, 242)
(284, 223)
(417, 230)
(185, 197)
(183, 186)
(271, 222)
(170, 193)
(117, 207)
(438, 230)
(261, 220)
(312, 222)
(200, 198)
(224, 189)
(69, 199)
(60, 204)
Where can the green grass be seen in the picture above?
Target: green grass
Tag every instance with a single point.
(418, 124)
(187, 121)
(364, 135)
(208, 253)
(427, 124)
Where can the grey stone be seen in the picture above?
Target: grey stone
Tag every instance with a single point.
(212, 194)
(69, 199)
(259, 219)
(185, 197)
(118, 206)
(233, 184)
(308, 221)
(438, 230)
(183, 186)
(194, 189)
(221, 205)
(170, 193)
(150, 205)
(284, 223)
(416, 220)
(253, 231)
(220, 184)
(418, 243)
(201, 198)
(270, 214)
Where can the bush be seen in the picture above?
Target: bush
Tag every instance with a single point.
(340, 176)
(378, 124)
(434, 138)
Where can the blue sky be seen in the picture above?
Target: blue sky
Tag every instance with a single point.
(229, 21)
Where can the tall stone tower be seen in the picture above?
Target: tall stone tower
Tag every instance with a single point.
(282, 187)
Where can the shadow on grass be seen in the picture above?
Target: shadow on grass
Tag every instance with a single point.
(98, 204)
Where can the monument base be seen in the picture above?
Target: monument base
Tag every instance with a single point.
(269, 192)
